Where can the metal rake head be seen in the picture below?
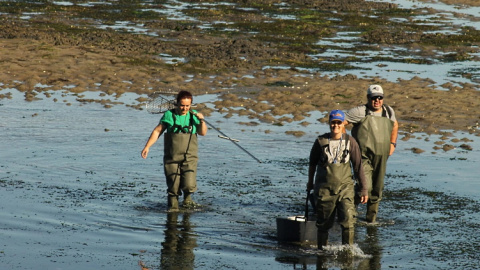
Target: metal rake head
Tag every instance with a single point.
(160, 103)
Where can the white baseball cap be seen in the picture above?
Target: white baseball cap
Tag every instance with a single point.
(375, 90)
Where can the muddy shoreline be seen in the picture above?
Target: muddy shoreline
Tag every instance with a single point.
(55, 52)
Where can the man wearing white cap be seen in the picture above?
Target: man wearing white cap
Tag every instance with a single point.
(375, 128)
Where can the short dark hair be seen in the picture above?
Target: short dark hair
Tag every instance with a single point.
(184, 95)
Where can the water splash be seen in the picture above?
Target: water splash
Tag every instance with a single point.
(345, 251)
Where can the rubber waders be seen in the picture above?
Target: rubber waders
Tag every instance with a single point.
(172, 203)
(372, 211)
(188, 201)
(347, 236)
(322, 239)
(373, 134)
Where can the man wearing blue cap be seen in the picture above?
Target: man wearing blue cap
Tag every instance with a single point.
(375, 128)
(333, 157)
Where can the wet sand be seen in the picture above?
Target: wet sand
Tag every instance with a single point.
(36, 62)
(419, 107)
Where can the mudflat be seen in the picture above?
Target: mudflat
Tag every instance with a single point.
(62, 48)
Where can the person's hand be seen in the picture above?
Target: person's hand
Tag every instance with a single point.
(364, 199)
(200, 116)
(145, 153)
(392, 149)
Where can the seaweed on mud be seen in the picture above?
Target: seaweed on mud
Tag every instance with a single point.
(396, 59)
(19, 7)
(279, 83)
(242, 37)
(325, 66)
(125, 10)
(468, 36)
(285, 32)
(450, 206)
(285, 35)
(299, 164)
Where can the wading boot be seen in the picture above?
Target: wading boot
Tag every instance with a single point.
(322, 239)
(372, 210)
(347, 236)
(172, 203)
(188, 201)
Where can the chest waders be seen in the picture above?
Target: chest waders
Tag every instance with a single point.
(373, 136)
(180, 165)
(335, 191)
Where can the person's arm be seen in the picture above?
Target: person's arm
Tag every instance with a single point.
(356, 158)
(156, 133)
(313, 165)
(202, 127)
(393, 137)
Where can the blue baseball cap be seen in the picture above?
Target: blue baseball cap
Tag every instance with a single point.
(336, 115)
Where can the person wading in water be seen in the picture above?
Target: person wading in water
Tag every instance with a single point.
(375, 128)
(333, 157)
(180, 150)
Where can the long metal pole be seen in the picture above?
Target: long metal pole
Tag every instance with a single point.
(228, 138)
(232, 140)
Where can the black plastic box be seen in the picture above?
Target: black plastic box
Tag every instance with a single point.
(296, 229)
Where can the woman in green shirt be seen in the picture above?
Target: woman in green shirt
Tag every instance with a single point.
(180, 150)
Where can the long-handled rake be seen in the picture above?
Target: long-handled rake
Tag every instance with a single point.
(159, 103)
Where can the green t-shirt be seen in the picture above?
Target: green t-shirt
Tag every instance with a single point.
(180, 121)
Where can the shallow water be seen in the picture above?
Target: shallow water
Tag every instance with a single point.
(76, 195)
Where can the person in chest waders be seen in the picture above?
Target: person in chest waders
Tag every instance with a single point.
(333, 157)
(180, 150)
(375, 128)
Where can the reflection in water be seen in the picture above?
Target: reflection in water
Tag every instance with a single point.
(337, 256)
(372, 243)
(298, 262)
(180, 240)
(343, 261)
(340, 257)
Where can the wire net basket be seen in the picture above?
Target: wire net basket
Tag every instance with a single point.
(160, 102)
